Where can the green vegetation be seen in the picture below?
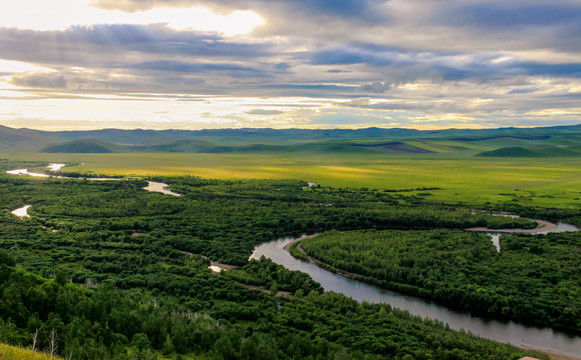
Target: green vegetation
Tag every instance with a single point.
(81, 146)
(114, 272)
(118, 272)
(365, 141)
(472, 181)
(221, 219)
(390, 140)
(533, 152)
(14, 140)
(223, 321)
(268, 274)
(8, 352)
(536, 167)
(534, 279)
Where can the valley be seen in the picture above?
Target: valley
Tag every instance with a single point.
(113, 245)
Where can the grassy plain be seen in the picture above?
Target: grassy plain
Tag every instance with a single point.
(546, 182)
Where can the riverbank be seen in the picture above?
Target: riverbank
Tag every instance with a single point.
(542, 227)
(552, 354)
(152, 186)
(287, 246)
(296, 244)
(498, 330)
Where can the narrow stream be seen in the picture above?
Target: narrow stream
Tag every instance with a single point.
(561, 227)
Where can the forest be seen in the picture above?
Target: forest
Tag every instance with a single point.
(533, 279)
(115, 272)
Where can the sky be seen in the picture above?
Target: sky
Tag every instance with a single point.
(193, 64)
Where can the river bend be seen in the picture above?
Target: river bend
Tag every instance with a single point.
(506, 332)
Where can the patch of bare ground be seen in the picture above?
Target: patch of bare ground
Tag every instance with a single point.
(224, 266)
(215, 266)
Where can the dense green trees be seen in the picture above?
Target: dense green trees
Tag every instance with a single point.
(117, 272)
(535, 278)
(107, 322)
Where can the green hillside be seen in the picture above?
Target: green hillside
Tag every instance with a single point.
(559, 141)
(539, 151)
(85, 146)
(14, 140)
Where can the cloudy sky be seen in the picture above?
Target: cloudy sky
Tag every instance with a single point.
(191, 64)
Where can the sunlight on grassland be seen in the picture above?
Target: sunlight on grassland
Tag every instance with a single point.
(535, 182)
(8, 352)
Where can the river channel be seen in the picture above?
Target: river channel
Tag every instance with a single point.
(506, 332)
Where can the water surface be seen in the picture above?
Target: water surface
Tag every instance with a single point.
(22, 212)
(507, 332)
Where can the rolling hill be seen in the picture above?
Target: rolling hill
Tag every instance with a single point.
(85, 146)
(558, 141)
(15, 140)
(538, 151)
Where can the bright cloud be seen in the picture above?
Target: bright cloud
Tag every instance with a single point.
(42, 15)
(289, 63)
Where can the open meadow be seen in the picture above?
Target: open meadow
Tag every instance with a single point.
(544, 182)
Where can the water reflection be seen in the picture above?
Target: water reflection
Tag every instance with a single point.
(507, 332)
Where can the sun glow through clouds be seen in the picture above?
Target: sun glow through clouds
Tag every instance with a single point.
(256, 63)
(42, 15)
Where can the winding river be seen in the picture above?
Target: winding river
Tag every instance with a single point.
(152, 186)
(506, 332)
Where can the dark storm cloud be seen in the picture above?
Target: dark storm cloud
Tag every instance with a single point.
(506, 14)
(558, 70)
(513, 25)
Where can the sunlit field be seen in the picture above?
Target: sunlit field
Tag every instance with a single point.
(553, 182)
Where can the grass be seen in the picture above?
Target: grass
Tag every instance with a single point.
(554, 182)
(8, 352)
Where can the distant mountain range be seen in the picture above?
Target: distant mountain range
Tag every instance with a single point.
(557, 141)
